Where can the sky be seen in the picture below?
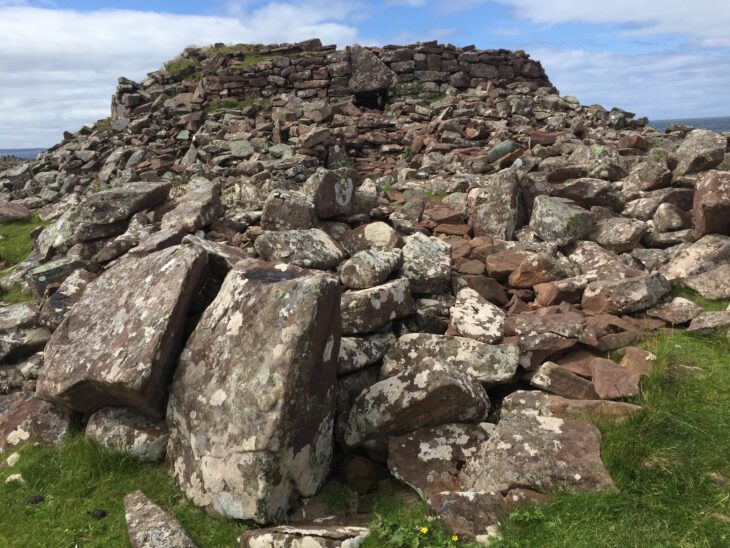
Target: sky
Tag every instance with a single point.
(59, 61)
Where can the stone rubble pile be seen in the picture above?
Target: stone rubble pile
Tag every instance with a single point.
(289, 270)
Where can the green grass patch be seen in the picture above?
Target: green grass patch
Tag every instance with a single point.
(690, 294)
(15, 241)
(79, 476)
(104, 125)
(184, 68)
(15, 295)
(661, 460)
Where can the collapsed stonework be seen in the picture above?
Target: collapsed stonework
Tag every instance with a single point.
(304, 269)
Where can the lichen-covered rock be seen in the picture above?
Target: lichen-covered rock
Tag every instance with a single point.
(55, 308)
(359, 352)
(369, 73)
(534, 402)
(311, 248)
(593, 260)
(118, 344)
(324, 533)
(369, 268)
(20, 332)
(288, 210)
(51, 273)
(558, 380)
(496, 210)
(377, 235)
(331, 193)
(711, 207)
(709, 322)
(713, 284)
(489, 364)
(624, 296)
(618, 234)
(149, 526)
(23, 417)
(127, 431)
(197, 208)
(251, 408)
(707, 253)
(560, 220)
(474, 317)
(676, 312)
(426, 395)
(429, 458)
(648, 175)
(221, 257)
(701, 150)
(539, 268)
(539, 453)
(542, 336)
(366, 310)
(426, 263)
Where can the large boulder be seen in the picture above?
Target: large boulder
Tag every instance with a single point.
(251, 408)
(701, 150)
(426, 395)
(368, 72)
(118, 344)
(711, 208)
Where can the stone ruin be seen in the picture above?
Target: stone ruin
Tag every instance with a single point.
(292, 269)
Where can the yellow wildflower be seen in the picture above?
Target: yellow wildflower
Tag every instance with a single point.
(424, 530)
(455, 538)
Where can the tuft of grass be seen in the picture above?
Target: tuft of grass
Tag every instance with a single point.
(399, 525)
(79, 476)
(15, 241)
(184, 68)
(15, 295)
(434, 195)
(663, 460)
(690, 294)
(104, 125)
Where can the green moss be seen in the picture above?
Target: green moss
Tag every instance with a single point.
(15, 240)
(79, 476)
(661, 461)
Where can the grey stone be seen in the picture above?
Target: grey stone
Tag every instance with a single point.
(311, 248)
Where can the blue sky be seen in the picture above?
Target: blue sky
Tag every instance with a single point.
(660, 58)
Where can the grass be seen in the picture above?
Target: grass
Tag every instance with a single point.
(663, 460)
(15, 295)
(104, 125)
(79, 476)
(15, 241)
(687, 293)
(185, 68)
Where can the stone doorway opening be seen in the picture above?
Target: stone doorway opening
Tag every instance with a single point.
(374, 100)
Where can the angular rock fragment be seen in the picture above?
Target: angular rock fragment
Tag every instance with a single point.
(149, 526)
(331, 193)
(707, 253)
(713, 284)
(23, 417)
(263, 356)
(558, 380)
(711, 208)
(118, 344)
(285, 210)
(637, 360)
(543, 336)
(423, 396)
(197, 208)
(369, 268)
(366, 310)
(539, 453)
(359, 352)
(57, 306)
(567, 290)
(221, 257)
(474, 317)
(537, 269)
(618, 234)
(127, 431)
(534, 402)
(369, 73)
(709, 322)
(311, 248)
(560, 220)
(489, 364)
(624, 296)
(51, 274)
(426, 263)
(21, 335)
(376, 235)
(676, 312)
(429, 459)
(612, 382)
(496, 209)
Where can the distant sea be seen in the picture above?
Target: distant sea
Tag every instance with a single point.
(29, 153)
(715, 124)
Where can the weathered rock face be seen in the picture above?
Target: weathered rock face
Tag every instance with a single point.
(369, 268)
(368, 72)
(711, 209)
(58, 305)
(331, 193)
(149, 526)
(326, 533)
(560, 220)
(366, 310)
(539, 453)
(306, 248)
(489, 364)
(124, 430)
(118, 344)
(629, 295)
(713, 284)
(707, 253)
(428, 459)
(23, 418)
(359, 352)
(20, 332)
(702, 149)
(536, 402)
(426, 263)
(288, 211)
(197, 208)
(253, 396)
(496, 210)
(474, 317)
(426, 395)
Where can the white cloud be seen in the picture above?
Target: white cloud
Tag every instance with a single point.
(704, 22)
(59, 67)
(668, 85)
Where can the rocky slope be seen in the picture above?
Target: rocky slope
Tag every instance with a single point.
(290, 269)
